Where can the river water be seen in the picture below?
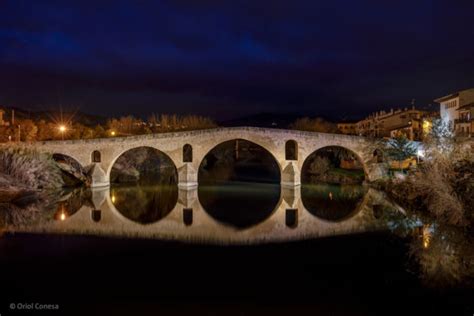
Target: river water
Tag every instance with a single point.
(229, 247)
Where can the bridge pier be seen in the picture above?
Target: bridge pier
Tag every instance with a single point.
(187, 176)
(99, 196)
(187, 197)
(290, 175)
(291, 196)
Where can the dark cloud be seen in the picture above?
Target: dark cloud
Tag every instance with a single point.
(223, 58)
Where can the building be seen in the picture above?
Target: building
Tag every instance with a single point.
(412, 123)
(456, 109)
(348, 128)
(465, 122)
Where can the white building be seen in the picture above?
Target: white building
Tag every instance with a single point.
(450, 105)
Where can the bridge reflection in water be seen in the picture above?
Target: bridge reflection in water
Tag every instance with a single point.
(182, 217)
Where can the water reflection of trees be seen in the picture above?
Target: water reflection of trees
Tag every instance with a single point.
(47, 207)
(332, 202)
(442, 255)
(145, 203)
(445, 256)
(70, 202)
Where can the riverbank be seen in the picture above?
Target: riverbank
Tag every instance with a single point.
(28, 181)
(337, 176)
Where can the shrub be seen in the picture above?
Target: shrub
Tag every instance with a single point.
(30, 168)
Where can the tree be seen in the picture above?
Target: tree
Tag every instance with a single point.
(99, 131)
(314, 125)
(29, 130)
(400, 149)
(441, 138)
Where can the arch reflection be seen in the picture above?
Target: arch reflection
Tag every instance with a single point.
(332, 202)
(239, 205)
(144, 204)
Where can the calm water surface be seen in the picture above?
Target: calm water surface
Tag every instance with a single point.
(237, 204)
(360, 273)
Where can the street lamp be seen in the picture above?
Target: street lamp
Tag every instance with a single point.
(112, 133)
(62, 130)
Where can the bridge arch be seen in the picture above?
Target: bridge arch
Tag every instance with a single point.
(256, 143)
(73, 171)
(124, 151)
(59, 156)
(308, 159)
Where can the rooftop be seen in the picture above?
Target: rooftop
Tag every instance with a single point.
(453, 95)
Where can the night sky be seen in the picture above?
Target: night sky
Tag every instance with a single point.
(229, 59)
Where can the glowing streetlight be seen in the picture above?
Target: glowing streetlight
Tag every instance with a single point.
(62, 216)
(112, 133)
(62, 130)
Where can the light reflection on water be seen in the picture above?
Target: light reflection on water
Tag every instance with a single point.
(236, 204)
(323, 210)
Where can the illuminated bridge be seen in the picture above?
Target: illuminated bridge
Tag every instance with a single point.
(187, 149)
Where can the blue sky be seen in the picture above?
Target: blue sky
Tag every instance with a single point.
(231, 58)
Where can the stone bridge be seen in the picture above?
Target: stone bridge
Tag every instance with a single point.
(290, 149)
